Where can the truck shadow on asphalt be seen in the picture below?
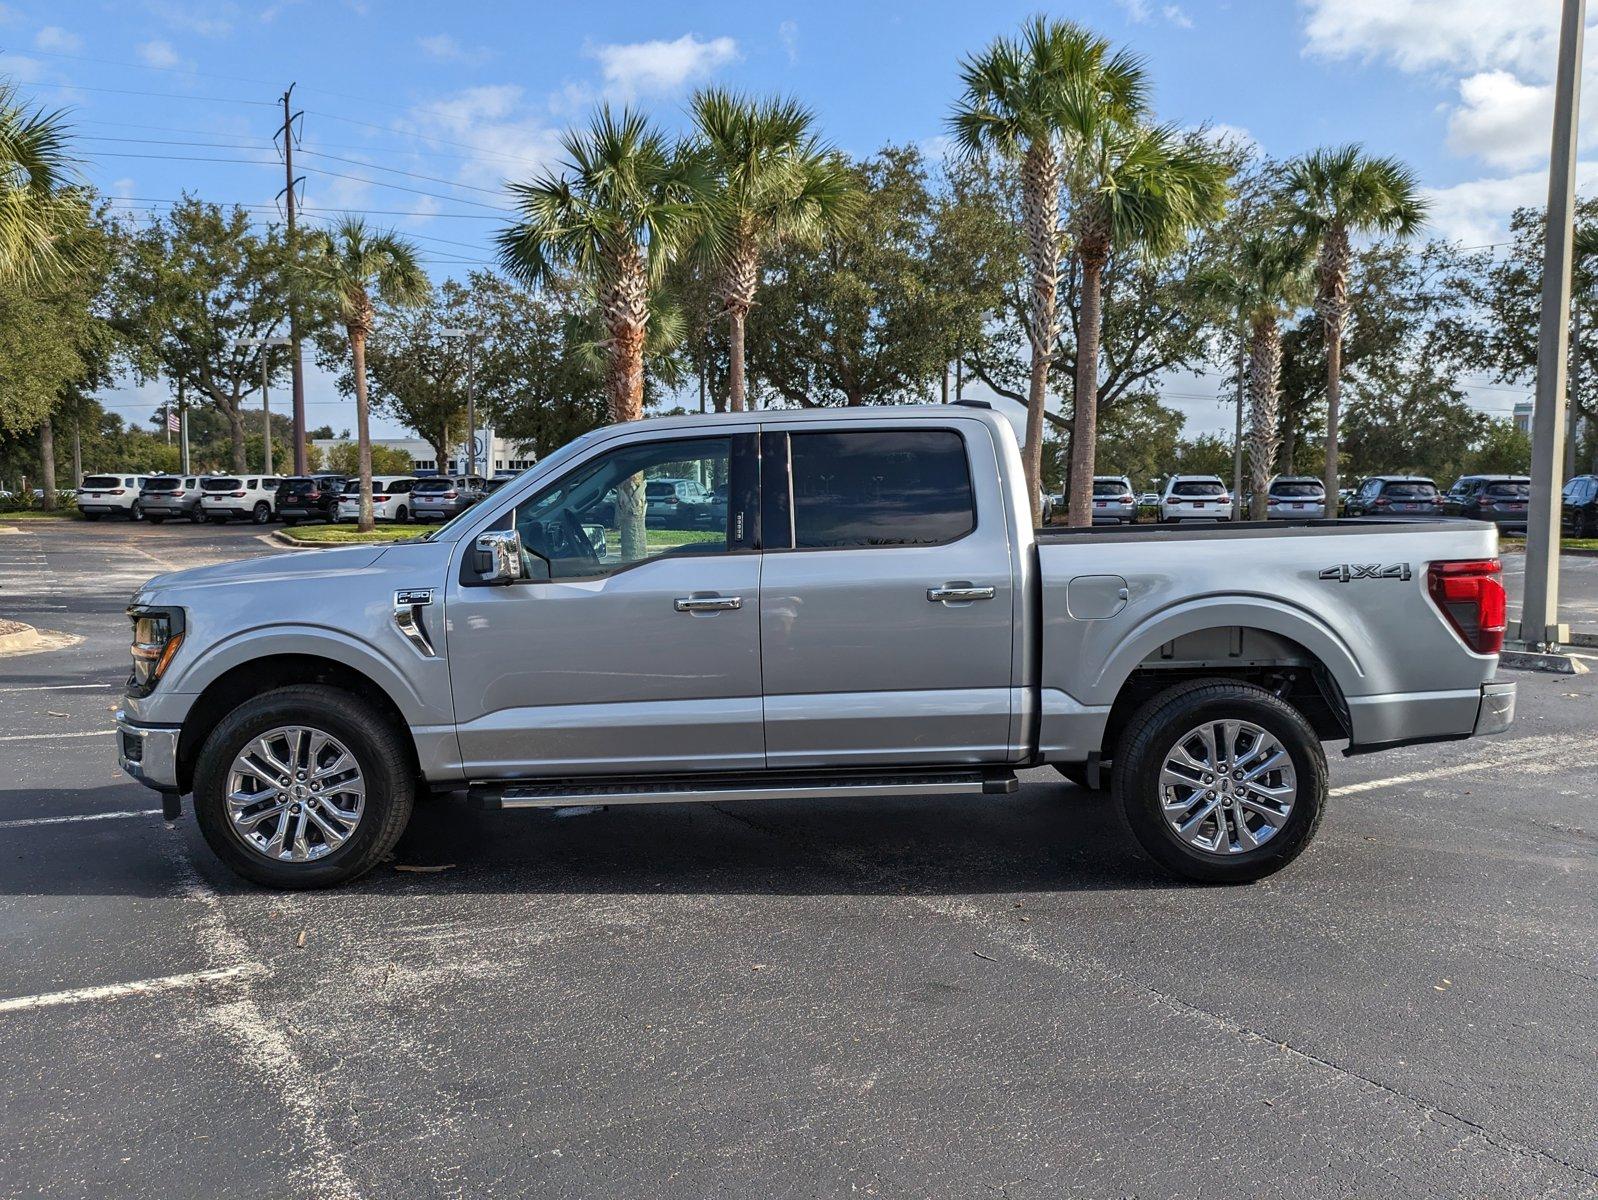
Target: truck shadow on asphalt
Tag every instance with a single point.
(1050, 837)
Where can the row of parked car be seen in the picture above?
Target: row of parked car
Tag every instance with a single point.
(1501, 499)
(265, 498)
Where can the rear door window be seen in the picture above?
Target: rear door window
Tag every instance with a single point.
(885, 487)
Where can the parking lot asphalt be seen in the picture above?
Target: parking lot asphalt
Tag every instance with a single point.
(893, 998)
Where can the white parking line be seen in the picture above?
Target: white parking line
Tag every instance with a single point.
(40, 737)
(1527, 750)
(58, 687)
(115, 991)
(28, 822)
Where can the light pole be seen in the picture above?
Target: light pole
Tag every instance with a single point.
(471, 398)
(1539, 614)
(266, 344)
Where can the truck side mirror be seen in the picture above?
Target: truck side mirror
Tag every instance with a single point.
(499, 556)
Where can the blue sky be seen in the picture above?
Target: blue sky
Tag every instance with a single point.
(463, 96)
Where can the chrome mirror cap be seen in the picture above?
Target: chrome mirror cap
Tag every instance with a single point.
(499, 556)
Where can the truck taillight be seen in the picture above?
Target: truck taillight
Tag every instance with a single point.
(1470, 593)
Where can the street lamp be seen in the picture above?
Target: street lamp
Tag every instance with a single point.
(471, 399)
(266, 408)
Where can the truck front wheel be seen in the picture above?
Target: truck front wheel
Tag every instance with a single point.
(1220, 781)
(303, 787)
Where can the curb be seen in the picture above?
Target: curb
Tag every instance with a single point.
(29, 640)
(1551, 664)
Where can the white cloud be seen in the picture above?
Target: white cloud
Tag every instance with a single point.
(206, 19)
(788, 31)
(651, 68)
(23, 69)
(1222, 134)
(158, 53)
(511, 138)
(1136, 11)
(1477, 212)
(61, 41)
(1176, 16)
(1501, 120)
(1421, 35)
(444, 48)
(9, 15)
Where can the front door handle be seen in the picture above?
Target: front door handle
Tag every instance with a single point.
(699, 604)
(964, 593)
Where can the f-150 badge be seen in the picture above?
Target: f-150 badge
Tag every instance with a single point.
(1344, 572)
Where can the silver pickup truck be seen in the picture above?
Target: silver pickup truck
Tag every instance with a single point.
(872, 614)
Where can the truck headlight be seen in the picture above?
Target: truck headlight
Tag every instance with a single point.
(157, 634)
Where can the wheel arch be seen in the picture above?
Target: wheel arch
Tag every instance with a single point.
(244, 680)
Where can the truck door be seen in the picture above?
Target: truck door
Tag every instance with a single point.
(635, 653)
(887, 604)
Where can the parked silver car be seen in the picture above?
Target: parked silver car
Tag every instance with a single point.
(172, 496)
(1296, 498)
(442, 497)
(1114, 501)
(876, 617)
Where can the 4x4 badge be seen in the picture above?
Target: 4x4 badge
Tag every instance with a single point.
(1344, 572)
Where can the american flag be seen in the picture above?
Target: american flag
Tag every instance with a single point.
(173, 424)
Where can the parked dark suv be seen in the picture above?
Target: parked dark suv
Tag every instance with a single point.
(1395, 496)
(1580, 506)
(1500, 499)
(309, 498)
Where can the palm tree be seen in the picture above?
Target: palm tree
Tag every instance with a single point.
(34, 176)
(1021, 94)
(1335, 193)
(354, 267)
(774, 182)
(1133, 188)
(1273, 278)
(626, 206)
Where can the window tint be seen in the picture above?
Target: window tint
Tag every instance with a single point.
(101, 481)
(1299, 491)
(431, 487)
(399, 487)
(880, 488)
(163, 484)
(602, 516)
(1410, 491)
(222, 485)
(1197, 488)
(1109, 487)
(1509, 491)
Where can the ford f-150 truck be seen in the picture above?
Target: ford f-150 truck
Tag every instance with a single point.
(874, 615)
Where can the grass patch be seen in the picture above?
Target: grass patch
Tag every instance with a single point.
(1567, 543)
(39, 514)
(348, 535)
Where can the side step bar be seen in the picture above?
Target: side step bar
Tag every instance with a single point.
(687, 789)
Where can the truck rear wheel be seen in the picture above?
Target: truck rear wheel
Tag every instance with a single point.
(303, 787)
(1220, 781)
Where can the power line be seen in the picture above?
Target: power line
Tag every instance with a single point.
(83, 87)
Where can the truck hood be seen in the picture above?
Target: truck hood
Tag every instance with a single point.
(302, 564)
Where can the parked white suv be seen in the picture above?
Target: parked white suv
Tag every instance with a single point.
(1195, 498)
(1114, 501)
(251, 496)
(391, 498)
(103, 495)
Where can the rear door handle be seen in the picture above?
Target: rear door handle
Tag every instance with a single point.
(699, 604)
(957, 594)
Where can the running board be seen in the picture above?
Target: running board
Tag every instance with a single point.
(567, 793)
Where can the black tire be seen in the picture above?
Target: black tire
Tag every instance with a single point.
(154, 520)
(261, 514)
(369, 736)
(399, 515)
(136, 513)
(196, 516)
(1154, 731)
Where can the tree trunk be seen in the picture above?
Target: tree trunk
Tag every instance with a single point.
(1040, 221)
(77, 452)
(735, 361)
(626, 310)
(1264, 373)
(47, 463)
(235, 421)
(363, 436)
(1334, 393)
(1085, 431)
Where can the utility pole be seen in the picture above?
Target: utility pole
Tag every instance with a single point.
(296, 366)
(265, 345)
(1539, 615)
(1574, 402)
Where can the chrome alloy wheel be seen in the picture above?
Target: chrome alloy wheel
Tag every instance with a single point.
(295, 794)
(1227, 787)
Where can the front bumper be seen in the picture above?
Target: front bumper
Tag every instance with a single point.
(149, 753)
